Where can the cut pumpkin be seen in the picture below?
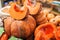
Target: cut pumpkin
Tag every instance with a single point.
(40, 36)
(57, 34)
(33, 8)
(17, 13)
(48, 28)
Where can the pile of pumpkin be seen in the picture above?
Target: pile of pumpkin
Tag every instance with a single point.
(29, 23)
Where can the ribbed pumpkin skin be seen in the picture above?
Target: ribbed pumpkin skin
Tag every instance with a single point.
(31, 21)
(7, 25)
(20, 28)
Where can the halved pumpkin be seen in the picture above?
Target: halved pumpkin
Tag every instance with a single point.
(57, 34)
(18, 13)
(33, 8)
(40, 36)
(48, 28)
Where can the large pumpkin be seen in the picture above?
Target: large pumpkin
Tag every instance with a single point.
(7, 25)
(48, 28)
(18, 12)
(20, 28)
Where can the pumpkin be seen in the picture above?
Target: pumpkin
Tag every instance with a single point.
(7, 23)
(41, 18)
(4, 36)
(20, 28)
(33, 7)
(57, 34)
(17, 12)
(40, 36)
(48, 28)
(31, 21)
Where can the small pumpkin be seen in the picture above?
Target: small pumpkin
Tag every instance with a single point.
(48, 28)
(4, 36)
(17, 12)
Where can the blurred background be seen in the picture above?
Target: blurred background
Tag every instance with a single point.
(6, 2)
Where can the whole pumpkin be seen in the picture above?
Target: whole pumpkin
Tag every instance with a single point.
(20, 28)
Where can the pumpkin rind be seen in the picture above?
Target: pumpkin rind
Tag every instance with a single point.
(20, 29)
(48, 28)
(16, 13)
(7, 25)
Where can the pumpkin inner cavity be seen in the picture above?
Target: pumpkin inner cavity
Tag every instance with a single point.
(47, 29)
(17, 9)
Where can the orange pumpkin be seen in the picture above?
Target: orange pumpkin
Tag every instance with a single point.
(18, 13)
(20, 28)
(31, 21)
(40, 36)
(57, 34)
(7, 23)
(48, 28)
(33, 7)
(41, 18)
(4, 36)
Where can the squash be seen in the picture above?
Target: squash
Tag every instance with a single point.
(7, 23)
(33, 7)
(4, 36)
(31, 21)
(16, 12)
(57, 34)
(20, 28)
(41, 18)
(48, 28)
(40, 36)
